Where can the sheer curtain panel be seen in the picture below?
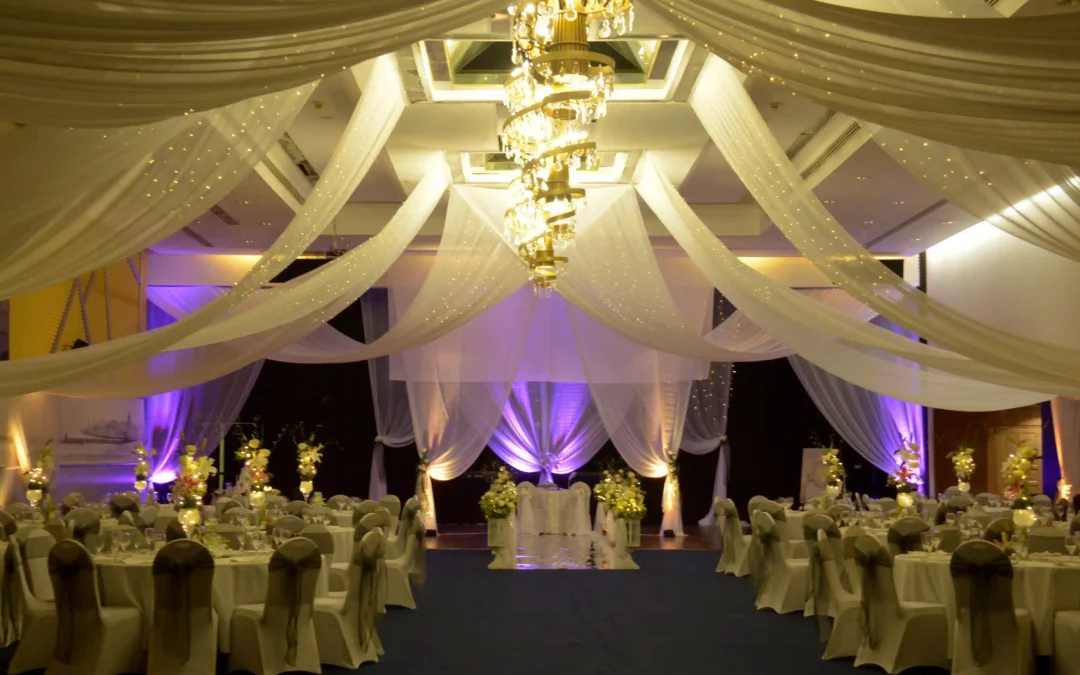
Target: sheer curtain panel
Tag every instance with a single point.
(705, 429)
(393, 423)
(1066, 414)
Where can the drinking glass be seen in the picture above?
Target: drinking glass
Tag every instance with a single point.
(950, 519)
(125, 541)
(927, 541)
(935, 540)
(148, 533)
(1070, 544)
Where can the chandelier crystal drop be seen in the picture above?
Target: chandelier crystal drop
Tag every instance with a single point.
(557, 89)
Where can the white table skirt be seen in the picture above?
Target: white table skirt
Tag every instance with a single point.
(343, 519)
(1042, 585)
(553, 512)
(128, 581)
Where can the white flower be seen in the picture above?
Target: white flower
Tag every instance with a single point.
(254, 444)
(302, 446)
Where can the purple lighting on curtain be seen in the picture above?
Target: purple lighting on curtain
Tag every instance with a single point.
(909, 418)
(201, 413)
(548, 427)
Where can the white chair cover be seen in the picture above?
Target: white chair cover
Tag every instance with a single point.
(238, 516)
(32, 622)
(345, 627)
(292, 524)
(85, 528)
(297, 508)
(905, 535)
(222, 506)
(90, 639)
(733, 559)
(1047, 540)
(526, 509)
(888, 506)
(992, 637)
(234, 535)
(819, 599)
(895, 635)
(410, 565)
(844, 638)
(279, 635)
(184, 635)
(392, 504)
(322, 538)
(577, 521)
(36, 555)
(781, 582)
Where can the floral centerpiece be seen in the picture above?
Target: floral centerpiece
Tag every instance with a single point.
(834, 471)
(1016, 470)
(309, 454)
(963, 461)
(626, 500)
(906, 474)
(142, 466)
(38, 477)
(254, 479)
(189, 488)
(498, 504)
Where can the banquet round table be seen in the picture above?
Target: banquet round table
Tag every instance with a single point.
(240, 578)
(1043, 585)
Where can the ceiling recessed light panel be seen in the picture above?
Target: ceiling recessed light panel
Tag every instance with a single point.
(646, 69)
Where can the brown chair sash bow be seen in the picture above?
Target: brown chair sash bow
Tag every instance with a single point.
(374, 582)
(871, 563)
(761, 552)
(818, 589)
(10, 614)
(731, 530)
(294, 569)
(68, 561)
(982, 580)
(173, 568)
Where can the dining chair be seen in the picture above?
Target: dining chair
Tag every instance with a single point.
(843, 639)
(34, 625)
(781, 582)
(184, 634)
(905, 535)
(392, 504)
(322, 538)
(896, 635)
(733, 559)
(345, 625)
(90, 639)
(991, 637)
(278, 635)
(410, 566)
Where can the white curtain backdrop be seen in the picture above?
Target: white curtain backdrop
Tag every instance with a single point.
(88, 198)
(71, 63)
(705, 430)
(735, 125)
(548, 427)
(1067, 434)
(393, 423)
(874, 425)
(119, 368)
(1006, 85)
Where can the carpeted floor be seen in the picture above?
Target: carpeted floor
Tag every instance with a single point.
(675, 616)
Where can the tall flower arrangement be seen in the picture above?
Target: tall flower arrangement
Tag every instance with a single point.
(254, 479)
(1016, 470)
(190, 486)
(142, 466)
(626, 498)
(309, 454)
(963, 461)
(39, 476)
(834, 471)
(501, 498)
(905, 476)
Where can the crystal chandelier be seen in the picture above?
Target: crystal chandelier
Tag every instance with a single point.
(557, 89)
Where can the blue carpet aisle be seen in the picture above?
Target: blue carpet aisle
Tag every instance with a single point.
(675, 616)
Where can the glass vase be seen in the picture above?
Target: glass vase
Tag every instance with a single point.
(964, 486)
(189, 519)
(498, 531)
(306, 487)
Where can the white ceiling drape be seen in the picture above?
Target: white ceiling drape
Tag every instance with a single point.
(734, 124)
(104, 370)
(1009, 86)
(817, 332)
(86, 199)
(90, 64)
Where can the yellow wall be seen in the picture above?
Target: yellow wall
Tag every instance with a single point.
(35, 317)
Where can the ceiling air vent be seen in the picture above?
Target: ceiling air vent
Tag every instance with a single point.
(285, 182)
(833, 148)
(223, 215)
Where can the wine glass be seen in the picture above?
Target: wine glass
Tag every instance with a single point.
(148, 533)
(927, 542)
(935, 540)
(950, 519)
(1070, 544)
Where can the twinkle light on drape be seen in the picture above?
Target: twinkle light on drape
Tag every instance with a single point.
(735, 125)
(393, 423)
(205, 412)
(548, 427)
(705, 429)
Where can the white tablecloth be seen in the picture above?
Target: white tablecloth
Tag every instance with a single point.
(128, 581)
(1042, 585)
(553, 512)
(343, 519)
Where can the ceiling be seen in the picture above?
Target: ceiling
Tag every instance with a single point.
(879, 203)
